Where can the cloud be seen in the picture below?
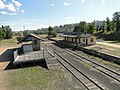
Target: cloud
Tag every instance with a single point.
(68, 18)
(103, 1)
(4, 0)
(12, 14)
(22, 11)
(83, 1)
(18, 4)
(52, 5)
(11, 7)
(3, 12)
(100, 12)
(91, 7)
(66, 4)
(2, 5)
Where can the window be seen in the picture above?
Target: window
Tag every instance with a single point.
(83, 39)
(35, 42)
(91, 39)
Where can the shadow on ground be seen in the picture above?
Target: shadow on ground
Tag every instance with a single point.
(7, 55)
(41, 63)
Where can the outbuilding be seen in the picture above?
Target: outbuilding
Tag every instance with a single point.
(30, 43)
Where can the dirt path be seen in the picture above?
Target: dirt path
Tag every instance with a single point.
(3, 85)
(108, 44)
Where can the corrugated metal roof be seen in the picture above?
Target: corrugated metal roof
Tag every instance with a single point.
(30, 35)
(76, 34)
(72, 34)
(86, 35)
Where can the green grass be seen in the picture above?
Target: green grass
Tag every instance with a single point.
(113, 42)
(9, 42)
(33, 78)
(109, 64)
(114, 51)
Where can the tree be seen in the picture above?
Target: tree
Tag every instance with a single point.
(108, 24)
(1, 37)
(6, 32)
(26, 32)
(116, 19)
(112, 25)
(81, 27)
(76, 28)
(90, 28)
(50, 30)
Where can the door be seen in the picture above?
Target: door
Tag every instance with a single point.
(86, 41)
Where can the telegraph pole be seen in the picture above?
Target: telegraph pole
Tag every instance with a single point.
(24, 28)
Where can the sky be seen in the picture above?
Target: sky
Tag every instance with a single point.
(34, 14)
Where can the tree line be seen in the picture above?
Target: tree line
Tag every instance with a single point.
(97, 26)
(5, 32)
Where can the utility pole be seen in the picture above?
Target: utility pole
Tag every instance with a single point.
(24, 28)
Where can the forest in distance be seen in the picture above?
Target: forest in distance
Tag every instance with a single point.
(106, 29)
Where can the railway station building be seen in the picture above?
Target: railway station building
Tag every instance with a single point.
(79, 38)
(30, 43)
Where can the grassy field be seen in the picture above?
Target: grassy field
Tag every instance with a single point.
(36, 78)
(109, 64)
(9, 42)
(105, 49)
(113, 42)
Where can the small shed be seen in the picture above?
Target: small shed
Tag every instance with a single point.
(79, 38)
(30, 43)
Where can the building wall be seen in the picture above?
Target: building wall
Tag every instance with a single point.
(36, 43)
(90, 41)
(81, 40)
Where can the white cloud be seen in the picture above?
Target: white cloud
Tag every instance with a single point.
(12, 13)
(11, 7)
(91, 7)
(2, 5)
(66, 4)
(18, 4)
(83, 1)
(104, 1)
(86, 12)
(3, 12)
(22, 11)
(68, 18)
(52, 5)
(100, 12)
(4, 0)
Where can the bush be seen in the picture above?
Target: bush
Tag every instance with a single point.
(19, 38)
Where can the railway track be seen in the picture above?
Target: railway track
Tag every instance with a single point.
(105, 70)
(100, 67)
(87, 82)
